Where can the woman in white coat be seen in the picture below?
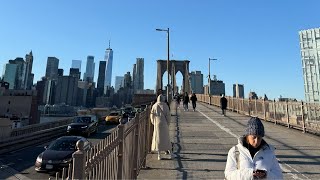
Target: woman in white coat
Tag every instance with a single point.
(252, 157)
(160, 118)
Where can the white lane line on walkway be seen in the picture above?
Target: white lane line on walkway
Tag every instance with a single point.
(294, 176)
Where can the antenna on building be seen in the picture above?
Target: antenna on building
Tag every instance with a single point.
(109, 43)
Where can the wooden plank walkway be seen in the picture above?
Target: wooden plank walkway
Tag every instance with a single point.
(202, 140)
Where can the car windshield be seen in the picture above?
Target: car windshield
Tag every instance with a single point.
(82, 119)
(113, 114)
(63, 145)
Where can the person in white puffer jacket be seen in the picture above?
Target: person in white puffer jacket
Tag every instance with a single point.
(252, 157)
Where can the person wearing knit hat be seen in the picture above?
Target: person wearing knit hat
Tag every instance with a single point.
(252, 157)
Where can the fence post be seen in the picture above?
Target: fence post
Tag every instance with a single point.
(238, 104)
(302, 116)
(136, 147)
(255, 107)
(264, 110)
(120, 150)
(243, 106)
(287, 109)
(274, 111)
(249, 106)
(232, 100)
(79, 161)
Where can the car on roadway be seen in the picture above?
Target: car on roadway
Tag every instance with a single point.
(113, 117)
(83, 125)
(59, 153)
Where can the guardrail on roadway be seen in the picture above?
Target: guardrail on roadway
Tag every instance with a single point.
(298, 115)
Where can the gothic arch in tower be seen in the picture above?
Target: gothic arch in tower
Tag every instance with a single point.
(174, 67)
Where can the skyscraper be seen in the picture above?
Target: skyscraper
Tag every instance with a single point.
(139, 75)
(119, 83)
(134, 77)
(89, 74)
(108, 58)
(9, 75)
(309, 51)
(20, 72)
(101, 77)
(238, 90)
(196, 79)
(76, 64)
(28, 77)
(52, 68)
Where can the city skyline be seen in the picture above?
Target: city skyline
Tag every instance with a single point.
(256, 43)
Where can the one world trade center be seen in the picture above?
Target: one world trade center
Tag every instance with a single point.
(108, 58)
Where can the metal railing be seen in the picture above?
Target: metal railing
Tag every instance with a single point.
(121, 155)
(298, 115)
(33, 134)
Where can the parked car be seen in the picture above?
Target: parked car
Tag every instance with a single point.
(59, 153)
(83, 125)
(113, 118)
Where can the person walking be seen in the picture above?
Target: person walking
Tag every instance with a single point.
(178, 99)
(160, 118)
(252, 157)
(186, 101)
(223, 104)
(194, 100)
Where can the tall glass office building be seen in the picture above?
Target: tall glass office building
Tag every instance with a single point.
(9, 75)
(89, 74)
(310, 56)
(108, 58)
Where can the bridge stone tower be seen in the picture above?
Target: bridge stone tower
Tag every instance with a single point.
(174, 67)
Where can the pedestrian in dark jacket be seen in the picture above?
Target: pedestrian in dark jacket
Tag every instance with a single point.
(186, 101)
(223, 104)
(194, 100)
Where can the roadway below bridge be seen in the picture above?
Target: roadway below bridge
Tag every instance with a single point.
(20, 164)
(202, 140)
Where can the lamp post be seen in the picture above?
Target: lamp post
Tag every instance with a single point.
(168, 85)
(209, 83)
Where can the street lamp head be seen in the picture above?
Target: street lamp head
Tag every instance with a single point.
(162, 30)
(212, 59)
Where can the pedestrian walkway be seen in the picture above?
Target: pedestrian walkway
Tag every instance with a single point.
(199, 145)
(202, 140)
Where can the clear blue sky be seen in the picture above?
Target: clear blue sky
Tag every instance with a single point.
(256, 42)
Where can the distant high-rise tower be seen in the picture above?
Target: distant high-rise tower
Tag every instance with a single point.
(9, 75)
(20, 73)
(108, 58)
(196, 80)
(89, 74)
(238, 90)
(134, 77)
(310, 50)
(52, 68)
(119, 83)
(76, 64)
(28, 77)
(139, 75)
(101, 77)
